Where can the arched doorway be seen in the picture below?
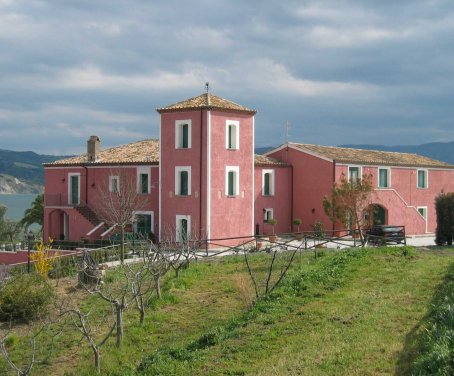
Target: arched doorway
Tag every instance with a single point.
(378, 215)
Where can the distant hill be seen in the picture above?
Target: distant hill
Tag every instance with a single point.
(442, 151)
(12, 185)
(25, 166)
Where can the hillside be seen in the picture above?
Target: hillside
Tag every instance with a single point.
(25, 165)
(12, 185)
(354, 312)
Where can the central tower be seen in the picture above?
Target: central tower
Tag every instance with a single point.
(206, 170)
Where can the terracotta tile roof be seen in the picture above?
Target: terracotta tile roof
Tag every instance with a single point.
(263, 160)
(372, 157)
(140, 152)
(206, 101)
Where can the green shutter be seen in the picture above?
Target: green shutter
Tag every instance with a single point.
(74, 189)
(231, 182)
(184, 230)
(184, 180)
(185, 136)
(383, 178)
(143, 183)
(422, 179)
(266, 184)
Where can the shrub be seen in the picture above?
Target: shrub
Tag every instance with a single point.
(25, 297)
(444, 207)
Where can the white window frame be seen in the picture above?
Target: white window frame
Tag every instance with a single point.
(424, 208)
(360, 172)
(69, 187)
(179, 136)
(178, 170)
(272, 180)
(143, 170)
(265, 212)
(236, 170)
(236, 124)
(178, 219)
(388, 175)
(111, 184)
(426, 172)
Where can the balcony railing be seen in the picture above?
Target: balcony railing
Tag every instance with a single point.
(60, 199)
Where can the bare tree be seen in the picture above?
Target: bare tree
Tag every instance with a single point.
(141, 285)
(33, 333)
(83, 323)
(117, 293)
(281, 256)
(119, 198)
(350, 201)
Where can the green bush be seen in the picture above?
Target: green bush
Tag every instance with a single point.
(25, 297)
(444, 207)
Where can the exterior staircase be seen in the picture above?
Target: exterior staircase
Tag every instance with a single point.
(88, 214)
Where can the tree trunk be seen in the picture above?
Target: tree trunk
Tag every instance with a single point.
(122, 246)
(158, 286)
(119, 325)
(97, 359)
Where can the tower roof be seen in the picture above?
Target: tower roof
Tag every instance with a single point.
(206, 101)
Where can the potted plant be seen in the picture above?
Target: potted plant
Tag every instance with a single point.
(272, 237)
(297, 222)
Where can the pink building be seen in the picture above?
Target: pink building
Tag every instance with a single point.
(202, 180)
(405, 184)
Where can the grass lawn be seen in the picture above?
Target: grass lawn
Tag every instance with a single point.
(345, 313)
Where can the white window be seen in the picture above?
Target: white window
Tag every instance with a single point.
(143, 180)
(232, 134)
(183, 132)
(143, 222)
(384, 177)
(232, 181)
(114, 184)
(183, 228)
(268, 182)
(354, 174)
(422, 179)
(268, 214)
(74, 188)
(423, 211)
(182, 180)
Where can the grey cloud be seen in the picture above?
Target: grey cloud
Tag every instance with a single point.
(339, 72)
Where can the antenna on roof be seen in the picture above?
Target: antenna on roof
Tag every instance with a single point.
(287, 128)
(207, 87)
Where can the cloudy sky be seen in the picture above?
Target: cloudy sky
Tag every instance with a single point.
(378, 71)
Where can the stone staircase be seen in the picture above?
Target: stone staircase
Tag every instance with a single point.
(88, 214)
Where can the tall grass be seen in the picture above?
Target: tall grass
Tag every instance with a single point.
(437, 342)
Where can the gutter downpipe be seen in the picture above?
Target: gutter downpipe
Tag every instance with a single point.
(200, 176)
(334, 181)
(86, 184)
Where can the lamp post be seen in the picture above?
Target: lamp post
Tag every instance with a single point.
(30, 237)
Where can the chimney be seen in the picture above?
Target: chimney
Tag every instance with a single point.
(93, 148)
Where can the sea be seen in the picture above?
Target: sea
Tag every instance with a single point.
(16, 204)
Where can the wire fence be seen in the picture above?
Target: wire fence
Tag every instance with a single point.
(67, 259)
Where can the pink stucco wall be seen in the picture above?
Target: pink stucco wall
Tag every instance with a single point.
(171, 204)
(280, 202)
(312, 180)
(403, 197)
(94, 182)
(231, 216)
